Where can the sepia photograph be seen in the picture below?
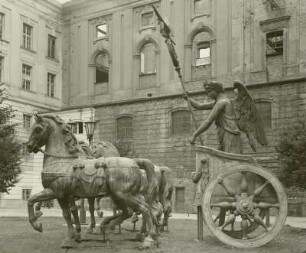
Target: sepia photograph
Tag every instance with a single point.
(157, 126)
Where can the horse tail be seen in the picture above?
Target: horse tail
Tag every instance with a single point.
(152, 188)
(152, 193)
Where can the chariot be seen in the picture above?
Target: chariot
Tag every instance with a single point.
(242, 204)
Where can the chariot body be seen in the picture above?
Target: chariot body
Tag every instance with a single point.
(242, 204)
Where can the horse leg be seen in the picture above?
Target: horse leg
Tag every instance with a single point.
(167, 211)
(98, 209)
(72, 235)
(137, 202)
(45, 194)
(74, 211)
(38, 213)
(92, 225)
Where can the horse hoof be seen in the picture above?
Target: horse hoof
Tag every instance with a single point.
(89, 230)
(68, 244)
(38, 214)
(147, 243)
(100, 213)
(138, 237)
(77, 238)
(38, 227)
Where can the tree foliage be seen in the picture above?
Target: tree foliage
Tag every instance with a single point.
(292, 155)
(10, 158)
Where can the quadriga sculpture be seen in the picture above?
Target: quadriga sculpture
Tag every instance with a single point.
(67, 176)
(164, 180)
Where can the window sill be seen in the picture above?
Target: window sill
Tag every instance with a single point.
(55, 98)
(27, 90)
(106, 38)
(28, 50)
(274, 54)
(5, 41)
(52, 59)
(199, 16)
(147, 74)
(153, 27)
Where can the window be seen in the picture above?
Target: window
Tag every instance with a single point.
(51, 46)
(1, 25)
(24, 149)
(101, 31)
(50, 85)
(1, 68)
(147, 19)
(124, 128)
(148, 59)
(77, 127)
(26, 193)
(180, 122)
(102, 68)
(264, 109)
(27, 36)
(203, 54)
(26, 77)
(275, 43)
(26, 121)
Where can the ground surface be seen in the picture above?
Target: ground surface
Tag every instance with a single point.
(17, 236)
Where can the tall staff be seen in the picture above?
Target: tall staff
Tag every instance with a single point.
(167, 34)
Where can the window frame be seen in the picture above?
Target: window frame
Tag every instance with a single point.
(51, 47)
(143, 60)
(281, 52)
(180, 134)
(97, 31)
(27, 36)
(131, 136)
(2, 25)
(26, 194)
(1, 68)
(51, 81)
(267, 101)
(148, 25)
(201, 61)
(27, 118)
(26, 77)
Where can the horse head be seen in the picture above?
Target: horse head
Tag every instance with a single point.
(39, 134)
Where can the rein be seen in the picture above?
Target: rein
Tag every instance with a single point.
(57, 156)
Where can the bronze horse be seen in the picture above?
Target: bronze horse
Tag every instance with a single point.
(67, 175)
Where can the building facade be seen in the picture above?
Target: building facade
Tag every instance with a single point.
(111, 64)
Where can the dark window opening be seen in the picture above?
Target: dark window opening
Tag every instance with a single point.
(275, 43)
(181, 122)
(101, 75)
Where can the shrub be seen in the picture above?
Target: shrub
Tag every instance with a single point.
(292, 155)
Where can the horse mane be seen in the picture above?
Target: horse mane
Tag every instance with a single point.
(70, 140)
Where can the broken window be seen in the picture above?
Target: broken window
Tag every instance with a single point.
(203, 54)
(275, 43)
(148, 59)
(101, 31)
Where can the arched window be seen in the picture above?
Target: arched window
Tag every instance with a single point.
(181, 122)
(148, 59)
(201, 55)
(101, 73)
(264, 108)
(124, 127)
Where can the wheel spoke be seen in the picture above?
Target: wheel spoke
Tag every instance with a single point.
(260, 189)
(244, 183)
(259, 221)
(228, 189)
(264, 205)
(225, 205)
(244, 225)
(230, 220)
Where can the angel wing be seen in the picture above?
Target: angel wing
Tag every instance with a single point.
(247, 116)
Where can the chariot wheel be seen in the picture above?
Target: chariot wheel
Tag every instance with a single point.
(244, 194)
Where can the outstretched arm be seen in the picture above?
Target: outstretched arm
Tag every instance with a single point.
(217, 109)
(202, 106)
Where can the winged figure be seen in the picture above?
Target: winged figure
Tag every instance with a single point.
(231, 116)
